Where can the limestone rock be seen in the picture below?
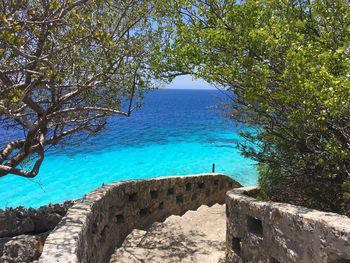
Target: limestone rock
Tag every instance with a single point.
(23, 248)
(18, 221)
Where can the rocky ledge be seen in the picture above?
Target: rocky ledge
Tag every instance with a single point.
(23, 231)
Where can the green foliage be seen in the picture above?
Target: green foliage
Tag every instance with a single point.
(65, 67)
(288, 63)
(264, 182)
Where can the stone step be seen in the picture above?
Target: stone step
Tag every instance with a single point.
(196, 236)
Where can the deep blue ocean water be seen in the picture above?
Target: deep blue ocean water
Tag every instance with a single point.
(177, 132)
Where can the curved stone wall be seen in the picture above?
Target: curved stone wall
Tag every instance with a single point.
(282, 233)
(99, 223)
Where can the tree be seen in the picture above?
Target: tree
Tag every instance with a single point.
(288, 64)
(65, 66)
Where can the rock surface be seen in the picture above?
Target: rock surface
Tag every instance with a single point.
(18, 221)
(197, 236)
(23, 248)
(23, 231)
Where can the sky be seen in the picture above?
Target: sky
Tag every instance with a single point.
(186, 82)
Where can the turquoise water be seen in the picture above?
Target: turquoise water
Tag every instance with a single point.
(177, 132)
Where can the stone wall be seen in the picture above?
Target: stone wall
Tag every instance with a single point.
(276, 232)
(99, 223)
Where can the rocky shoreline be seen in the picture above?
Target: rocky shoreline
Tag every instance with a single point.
(23, 231)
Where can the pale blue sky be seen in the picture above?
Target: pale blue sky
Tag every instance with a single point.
(186, 82)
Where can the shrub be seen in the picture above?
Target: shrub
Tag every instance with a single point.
(288, 65)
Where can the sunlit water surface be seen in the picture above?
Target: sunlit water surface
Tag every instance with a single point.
(177, 132)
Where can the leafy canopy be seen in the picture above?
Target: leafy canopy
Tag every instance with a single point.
(288, 63)
(65, 66)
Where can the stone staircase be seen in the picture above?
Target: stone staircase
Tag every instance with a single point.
(196, 236)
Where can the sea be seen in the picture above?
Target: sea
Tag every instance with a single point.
(176, 132)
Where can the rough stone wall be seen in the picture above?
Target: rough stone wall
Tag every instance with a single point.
(282, 233)
(98, 224)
